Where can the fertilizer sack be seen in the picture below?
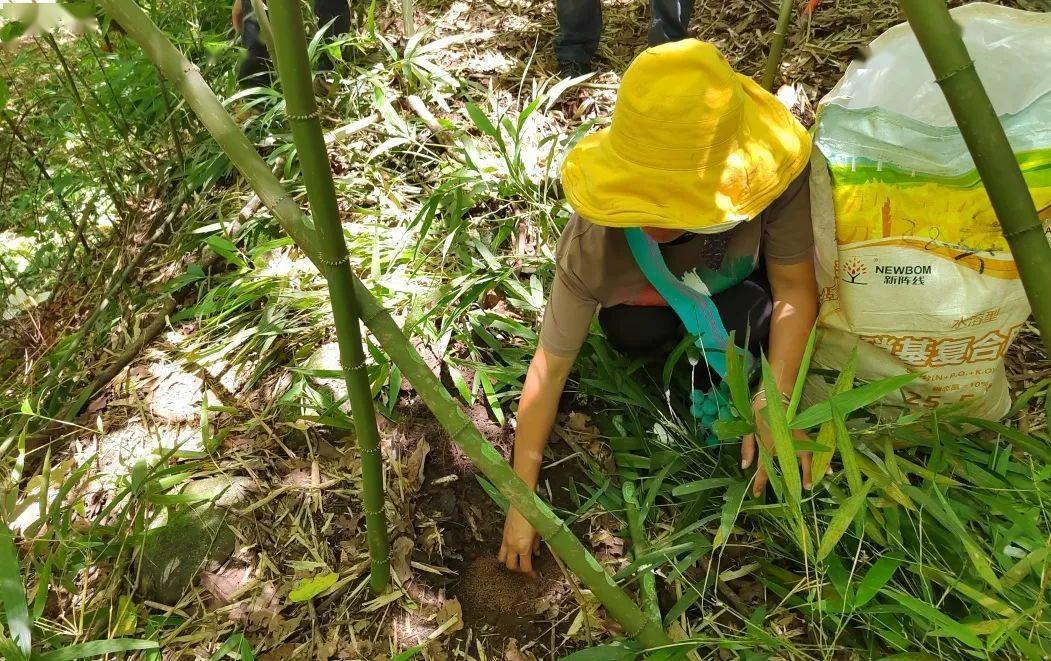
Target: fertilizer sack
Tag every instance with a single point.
(912, 263)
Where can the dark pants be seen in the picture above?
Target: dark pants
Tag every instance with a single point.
(580, 23)
(256, 67)
(640, 330)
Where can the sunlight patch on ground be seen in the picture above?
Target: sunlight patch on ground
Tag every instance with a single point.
(117, 451)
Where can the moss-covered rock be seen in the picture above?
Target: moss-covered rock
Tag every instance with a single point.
(174, 554)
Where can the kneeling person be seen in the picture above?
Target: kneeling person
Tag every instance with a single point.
(699, 185)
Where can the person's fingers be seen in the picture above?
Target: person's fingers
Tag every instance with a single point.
(804, 461)
(536, 546)
(502, 553)
(512, 561)
(526, 564)
(747, 450)
(760, 482)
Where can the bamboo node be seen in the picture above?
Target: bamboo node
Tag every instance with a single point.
(351, 368)
(954, 72)
(334, 262)
(316, 114)
(1025, 230)
(368, 450)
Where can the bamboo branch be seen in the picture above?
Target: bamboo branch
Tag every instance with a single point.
(773, 60)
(187, 79)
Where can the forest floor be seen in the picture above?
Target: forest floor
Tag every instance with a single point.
(207, 497)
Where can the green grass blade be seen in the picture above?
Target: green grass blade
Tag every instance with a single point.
(13, 594)
(852, 400)
(1031, 445)
(841, 520)
(804, 369)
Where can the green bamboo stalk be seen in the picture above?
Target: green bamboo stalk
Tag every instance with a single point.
(408, 25)
(773, 60)
(187, 79)
(941, 41)
(640, 544)
(293, 69)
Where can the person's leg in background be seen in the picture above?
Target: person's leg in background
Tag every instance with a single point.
(255, 69)
(640, 330)
(338, 13)
(579, 27)
(669, 20)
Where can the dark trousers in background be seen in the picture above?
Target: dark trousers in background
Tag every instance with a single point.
(256, 67)
(580, 23)
(640, 330)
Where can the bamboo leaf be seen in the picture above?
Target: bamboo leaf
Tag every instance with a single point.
(851, 400)
(875, 578)
(734, 499)
(733, 428)
(481, 121)
(847, 454)
(931, 615)
(700, 485)
(821, 460)
(804, 368)
(786, 454)
(1023, 567)
(308, 588)
(737, 381)
(97, 648)
(13, 594)
(841, 520)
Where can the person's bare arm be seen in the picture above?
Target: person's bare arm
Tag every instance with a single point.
(237, 16)
(537, 408)
(795, 294)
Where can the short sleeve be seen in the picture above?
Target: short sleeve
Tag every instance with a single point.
(567, 317)
(788, 232)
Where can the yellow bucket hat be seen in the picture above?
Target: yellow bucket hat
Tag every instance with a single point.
(692, 145)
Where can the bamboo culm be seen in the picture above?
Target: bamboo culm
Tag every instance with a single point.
(777, 45)
(293, 69)
(942, 43)
(199, 97)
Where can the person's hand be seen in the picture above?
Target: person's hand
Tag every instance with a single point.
(520, 544)
(749, 451)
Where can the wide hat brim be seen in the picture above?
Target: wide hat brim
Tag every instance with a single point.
(733, 180)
